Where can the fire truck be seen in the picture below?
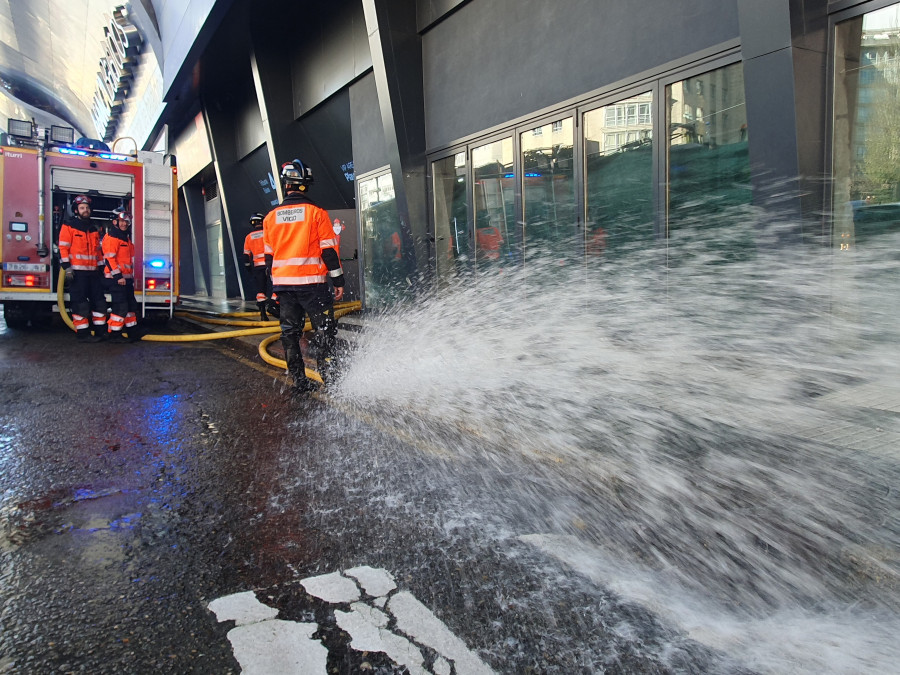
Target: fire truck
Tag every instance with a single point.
(41, 172)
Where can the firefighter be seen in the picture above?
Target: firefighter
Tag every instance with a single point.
(301, 258)
(118, 256)
(80, 257)
(256, 263)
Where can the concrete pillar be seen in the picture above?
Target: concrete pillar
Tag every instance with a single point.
(784, 47)
(396, 49)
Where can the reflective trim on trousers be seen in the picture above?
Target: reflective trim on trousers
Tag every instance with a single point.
(79, 322)
(115, 322)
(98, 319)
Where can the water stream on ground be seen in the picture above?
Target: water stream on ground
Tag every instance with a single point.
(725, 408)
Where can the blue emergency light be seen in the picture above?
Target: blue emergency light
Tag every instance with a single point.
(157, 264)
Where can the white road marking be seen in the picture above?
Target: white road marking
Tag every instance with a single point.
(263, 644)
(276, 647)
(332, 588)
(242, 608)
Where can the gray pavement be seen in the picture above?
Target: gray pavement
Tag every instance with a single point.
(166, 507)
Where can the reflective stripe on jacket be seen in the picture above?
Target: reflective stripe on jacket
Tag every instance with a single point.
(294, 234)
(254, 248)
(118, 253)
(79, 245)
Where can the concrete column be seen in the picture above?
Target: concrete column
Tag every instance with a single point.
(396, 49)
(784, 44)
(220, 128)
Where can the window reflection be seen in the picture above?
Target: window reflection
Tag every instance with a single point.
(495, 231)
(548, 193)
(708, 160)
(385, 245)
(866, 195)
(450, 215)
(618, 150)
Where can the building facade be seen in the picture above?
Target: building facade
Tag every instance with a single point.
(458, 136)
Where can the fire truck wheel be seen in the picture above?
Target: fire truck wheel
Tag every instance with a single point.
(15, 315)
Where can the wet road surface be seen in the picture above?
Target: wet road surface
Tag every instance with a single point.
(141, 482)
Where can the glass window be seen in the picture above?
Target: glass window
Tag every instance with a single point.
(548, 192)
(494, 201)
(866, 145)
(708, 163)
(451, 227)
(619, 179)
(386, 247)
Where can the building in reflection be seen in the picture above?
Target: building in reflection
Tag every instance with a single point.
(466, 136)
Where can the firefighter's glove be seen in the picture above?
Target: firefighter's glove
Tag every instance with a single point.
(70, 274)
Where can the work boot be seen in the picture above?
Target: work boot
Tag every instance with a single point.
(84, 335)
(262, 311)
(303, 388)
(116, 337)
(135, 333)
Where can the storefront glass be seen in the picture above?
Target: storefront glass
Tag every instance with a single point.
(496, 234)
(707, 162)
(618, 152)
(385, 246)
(548, 192)
(451, 226)
(866, 141)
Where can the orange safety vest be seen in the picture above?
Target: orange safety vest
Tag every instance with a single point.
(254, 248)
(295, 234)
(80, 248)
(119, 255)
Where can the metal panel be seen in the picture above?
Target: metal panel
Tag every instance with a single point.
(470, 86)
(79, 180)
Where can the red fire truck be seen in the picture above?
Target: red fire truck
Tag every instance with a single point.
(41, 172)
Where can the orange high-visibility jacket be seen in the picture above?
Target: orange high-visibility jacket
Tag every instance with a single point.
(79, 246)
(118, 253)
(295, 233)
(254, 248)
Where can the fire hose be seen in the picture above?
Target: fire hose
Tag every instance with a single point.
(253, 328)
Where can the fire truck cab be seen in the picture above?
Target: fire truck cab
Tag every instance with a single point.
(41, 172)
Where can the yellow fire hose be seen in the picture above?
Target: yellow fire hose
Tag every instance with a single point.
(258, 328)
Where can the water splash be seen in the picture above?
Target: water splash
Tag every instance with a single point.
(685, 393)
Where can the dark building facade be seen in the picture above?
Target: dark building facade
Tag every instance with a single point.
(449, 136)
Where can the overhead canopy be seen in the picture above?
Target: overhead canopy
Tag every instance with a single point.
(50, 52)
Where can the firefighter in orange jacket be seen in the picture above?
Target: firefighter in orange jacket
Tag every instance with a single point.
(256, 263)
(301, 256)
(118, 256)
(80, 257)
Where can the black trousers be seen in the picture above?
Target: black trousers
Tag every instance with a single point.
(122, 298)
(86, 293)
(261, 281)
(297, 302)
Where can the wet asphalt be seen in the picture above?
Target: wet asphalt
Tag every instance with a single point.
(138, 482)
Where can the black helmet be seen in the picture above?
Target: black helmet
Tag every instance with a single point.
(295, 175)
(256, 220)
